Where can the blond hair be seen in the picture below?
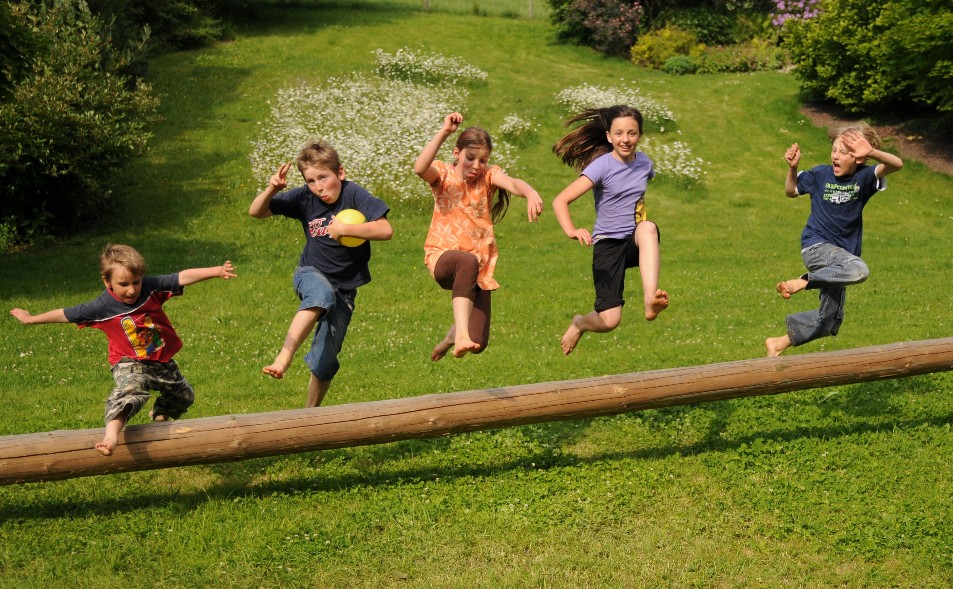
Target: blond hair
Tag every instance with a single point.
(124, 256)
(318, 153)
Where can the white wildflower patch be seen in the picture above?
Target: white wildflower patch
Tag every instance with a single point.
(673, 159)
(584, 96)
(515, 126)
(413, 66)
(377, 124)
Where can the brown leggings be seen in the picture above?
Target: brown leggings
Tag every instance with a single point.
(457, 272)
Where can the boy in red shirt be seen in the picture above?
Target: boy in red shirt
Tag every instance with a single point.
(142, 340)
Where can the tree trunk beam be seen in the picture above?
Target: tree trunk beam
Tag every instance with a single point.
(67, 454)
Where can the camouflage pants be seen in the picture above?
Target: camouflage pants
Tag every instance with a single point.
(134, 381)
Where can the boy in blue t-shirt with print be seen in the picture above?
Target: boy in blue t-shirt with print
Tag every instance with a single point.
(831, 240)
(329, 273)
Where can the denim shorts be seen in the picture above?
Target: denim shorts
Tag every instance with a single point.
(316, 291)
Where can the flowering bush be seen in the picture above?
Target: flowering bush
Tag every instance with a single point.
(412, 66)
(786, 10)
(609, 26)
(378, 125)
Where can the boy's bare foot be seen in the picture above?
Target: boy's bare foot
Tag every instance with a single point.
(571, 337)
(658, 304)
(159, 417)
(776, 345)
(107, 445)
(275, 371)
(789, 287)
(464, 346)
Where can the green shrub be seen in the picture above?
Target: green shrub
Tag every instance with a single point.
(656, 47)
(756, 55)
(870, 55)
(712, 27)
(174, 24)
(680, 65)
(69, 121)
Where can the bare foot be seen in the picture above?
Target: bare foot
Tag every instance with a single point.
(107, 445)
(658, 304)
(464, 346)
(275, 370)
(160, 417)
(789, 287)
(776, 345)
(441, 349)
(571, 337)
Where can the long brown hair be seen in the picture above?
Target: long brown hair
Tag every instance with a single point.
(478, 137)
(588, 141)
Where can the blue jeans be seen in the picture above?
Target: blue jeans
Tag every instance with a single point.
(830, 269)
(316, 292)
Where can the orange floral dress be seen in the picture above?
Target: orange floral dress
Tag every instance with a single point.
(462, 221)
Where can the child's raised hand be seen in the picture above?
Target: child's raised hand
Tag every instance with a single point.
(228, 271)
(280, 180)
(856, 144)
(451, 122)
(793, 155)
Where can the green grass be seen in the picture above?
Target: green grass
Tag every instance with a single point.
(847, 486)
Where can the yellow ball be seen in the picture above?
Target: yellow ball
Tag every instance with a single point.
(351, 217)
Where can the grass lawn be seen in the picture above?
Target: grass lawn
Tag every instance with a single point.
(840, 487)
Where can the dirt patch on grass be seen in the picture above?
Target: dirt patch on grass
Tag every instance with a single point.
(933, 151)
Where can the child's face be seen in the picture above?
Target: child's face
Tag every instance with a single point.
(844, 163)
(124, 285)
(624, 136)
(324, 183)
(471, 161)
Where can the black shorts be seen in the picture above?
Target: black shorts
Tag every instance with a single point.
(610, 259)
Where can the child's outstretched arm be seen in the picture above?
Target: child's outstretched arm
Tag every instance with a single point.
(534, 203)
(261, 207)
(377, 230)
(423, 167)
(793, 157)
(859, 147)
(193, 275)
(25, 317)
(579, 186)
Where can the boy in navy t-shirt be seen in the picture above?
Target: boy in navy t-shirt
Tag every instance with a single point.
(831, 240)
(142, 340)
(328, 272)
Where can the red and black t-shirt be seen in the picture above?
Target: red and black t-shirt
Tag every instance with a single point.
(140, 331)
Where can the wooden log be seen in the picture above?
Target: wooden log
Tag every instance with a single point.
(70, 453)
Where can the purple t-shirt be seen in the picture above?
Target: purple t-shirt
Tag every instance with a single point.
(617, 187)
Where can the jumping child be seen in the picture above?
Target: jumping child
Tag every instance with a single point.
(831, 240)
(603, 147)
(460, 249)
(329, 273)
(142, 340)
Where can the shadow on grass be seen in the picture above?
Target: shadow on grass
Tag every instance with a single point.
(233, 477)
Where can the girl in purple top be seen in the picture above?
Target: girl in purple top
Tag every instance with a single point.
(603, 147)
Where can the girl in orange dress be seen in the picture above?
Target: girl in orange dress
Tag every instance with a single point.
(460, 249)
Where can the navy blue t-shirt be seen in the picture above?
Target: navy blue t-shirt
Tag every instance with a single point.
(345, 267)
(837, 205)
